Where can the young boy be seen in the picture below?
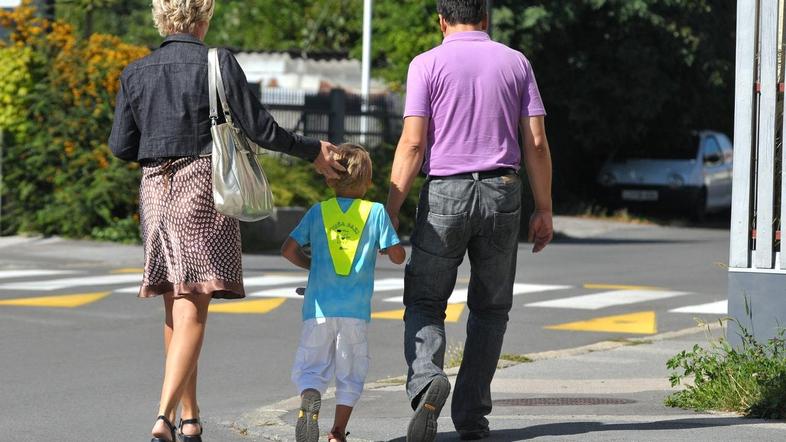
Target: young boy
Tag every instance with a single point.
(344, 234)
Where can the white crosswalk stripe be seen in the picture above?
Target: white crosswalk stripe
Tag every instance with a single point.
(254, 281)
(272, 280)
(607, 299)
(12, 274)
(82, 281)
(459, 296)
(711, 308)
(281, 292)
(388, 284)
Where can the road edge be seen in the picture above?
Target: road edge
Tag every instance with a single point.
(266, 422)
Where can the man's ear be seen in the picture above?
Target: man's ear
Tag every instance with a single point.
(443, 24)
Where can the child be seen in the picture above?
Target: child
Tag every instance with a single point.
(344, 234)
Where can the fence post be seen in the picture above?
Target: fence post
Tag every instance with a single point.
(757, 280)
(338, 110)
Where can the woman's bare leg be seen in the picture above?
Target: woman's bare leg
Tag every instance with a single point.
(169, 300)
(189, 400)
(190, 408)
(189, 316)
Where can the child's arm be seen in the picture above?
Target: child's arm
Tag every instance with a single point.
(292, 251)
(396, 254)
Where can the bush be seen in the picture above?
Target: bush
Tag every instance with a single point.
(56, 113)
(750, 380)
(57, 95)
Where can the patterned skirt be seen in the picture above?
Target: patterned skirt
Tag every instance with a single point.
(190, 248)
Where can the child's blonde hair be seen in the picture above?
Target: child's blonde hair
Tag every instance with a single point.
(357, 161)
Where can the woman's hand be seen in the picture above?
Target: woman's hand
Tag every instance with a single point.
(325, 164)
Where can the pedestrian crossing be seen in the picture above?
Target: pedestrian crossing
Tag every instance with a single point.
(608, 299)
(269, 291)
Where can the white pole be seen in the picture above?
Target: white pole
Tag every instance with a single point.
(365, 87)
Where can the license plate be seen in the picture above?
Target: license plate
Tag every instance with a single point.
(640, 195)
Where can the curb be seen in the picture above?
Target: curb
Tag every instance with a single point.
(266, 422)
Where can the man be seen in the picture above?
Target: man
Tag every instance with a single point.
(465, 101)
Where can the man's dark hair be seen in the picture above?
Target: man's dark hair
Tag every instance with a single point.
(462, 12)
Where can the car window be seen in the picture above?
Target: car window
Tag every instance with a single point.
(712, 149)
(725, 142)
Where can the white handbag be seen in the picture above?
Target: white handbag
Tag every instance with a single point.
(240, 188)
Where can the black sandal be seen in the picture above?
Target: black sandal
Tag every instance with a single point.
(193, 438)
(171, 430)
(341, 437)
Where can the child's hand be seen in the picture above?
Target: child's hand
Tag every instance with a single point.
(396, 254)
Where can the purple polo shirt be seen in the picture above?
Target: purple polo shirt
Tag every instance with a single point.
(475, 92)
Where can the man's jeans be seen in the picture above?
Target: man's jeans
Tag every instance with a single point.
(480, 217)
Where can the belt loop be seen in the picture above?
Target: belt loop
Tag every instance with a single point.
(476, 176)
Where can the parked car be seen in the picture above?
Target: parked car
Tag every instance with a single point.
(692, 176)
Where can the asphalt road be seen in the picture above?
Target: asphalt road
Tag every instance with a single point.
(82, 358)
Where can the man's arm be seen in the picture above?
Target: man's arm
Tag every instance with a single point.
(537, 157)
(292, 251)
(407, 163)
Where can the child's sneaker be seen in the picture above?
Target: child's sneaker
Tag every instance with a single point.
(307, 427)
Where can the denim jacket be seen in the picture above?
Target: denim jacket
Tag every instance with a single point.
(163, 108)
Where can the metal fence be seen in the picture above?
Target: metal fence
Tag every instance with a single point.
(759, 187)
(336, 116)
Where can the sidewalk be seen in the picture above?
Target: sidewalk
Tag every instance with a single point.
(608, 391)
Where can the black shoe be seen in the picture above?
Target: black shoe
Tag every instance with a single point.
(423, 425)
(474, 434)
(171, 430)
(192, 438)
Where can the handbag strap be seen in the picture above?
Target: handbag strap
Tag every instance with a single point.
(216, 84)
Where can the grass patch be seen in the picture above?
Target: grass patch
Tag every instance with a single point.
(515, 358)
(631, 342)
(619, 215)
(750, 380)
(454, 354)
(400, 380)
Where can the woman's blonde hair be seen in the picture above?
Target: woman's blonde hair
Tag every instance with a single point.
(357, 161)
(181, 16)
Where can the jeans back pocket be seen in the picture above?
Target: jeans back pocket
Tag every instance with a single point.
(442, 235)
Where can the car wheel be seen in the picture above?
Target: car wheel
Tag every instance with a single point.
(700, 206)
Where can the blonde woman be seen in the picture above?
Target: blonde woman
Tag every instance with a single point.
(192, 253)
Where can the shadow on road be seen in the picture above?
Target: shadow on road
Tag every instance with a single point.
(564, 239)
(578, 428)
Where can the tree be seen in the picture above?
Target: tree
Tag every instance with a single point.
(618, 73)
(613, 73)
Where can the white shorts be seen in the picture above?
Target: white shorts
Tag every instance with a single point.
(328, 347)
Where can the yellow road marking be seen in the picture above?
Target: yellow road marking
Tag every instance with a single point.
(643, 323)
(62, 301)
(128, 270)
(620, 287)
(389, 314)
(452, 313)
(256, 306)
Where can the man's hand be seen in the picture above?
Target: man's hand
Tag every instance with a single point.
(541, 230)
(325, 164)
